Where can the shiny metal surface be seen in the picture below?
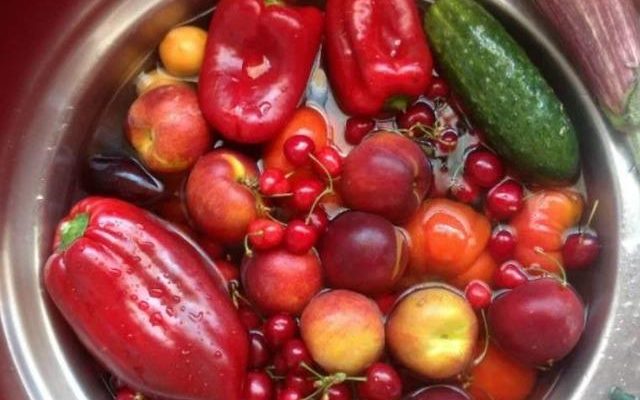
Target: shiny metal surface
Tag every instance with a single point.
(60, 104)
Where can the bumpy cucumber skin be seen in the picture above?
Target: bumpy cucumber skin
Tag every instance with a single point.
(525, 122)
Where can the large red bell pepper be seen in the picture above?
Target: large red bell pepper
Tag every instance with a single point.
(256, 66)
(377, 54)
(146, 303)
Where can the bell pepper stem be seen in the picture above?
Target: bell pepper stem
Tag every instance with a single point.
(397, 103)
(72, 230)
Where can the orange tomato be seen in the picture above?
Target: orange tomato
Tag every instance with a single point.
(540, 225)
(499, 377)
(446, 239)
(306, 121)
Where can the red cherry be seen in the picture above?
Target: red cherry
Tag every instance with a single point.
(299, 237)
(383, 383)
(357, 128)
(416, 114)
(273, 181)
(330, 159)
(448, 141)
(127, 394)
(229, 271)
(297, 149)
(258, 386)
(305, 192)
(505, 199)
(259, 354)
(580, 250)
(509, 275)
(294, 353)
(301, 382)
(438, 88)
(264, 234)
(290, 394)
(318, 219)
(502, 244)
(249, 318)
(478, 294)
(465, 191)
(483, 168)
(340, 391)
(279, 329)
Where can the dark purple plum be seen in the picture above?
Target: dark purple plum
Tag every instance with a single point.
(538, 322)
(363, 252)
(439, 392)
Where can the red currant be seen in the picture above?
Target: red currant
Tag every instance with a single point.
(478, 294)
(465, 191)
(305, 192)
(417, 114)
(330, 159)
(299, 237)
(249, 318)
(259, 354)
(301, 382)
(383, 383)
(483, 168)
(438, 88)
(290, 394)
(258, 386)
(448, 141)
(580, 250)
(319, 219)
(341, 391)
(509, 275)
(357, 128)
(273, 181)
(294, 353)
(505, 199)
(279, 329)
(265, 234)
(297, 149)
(502, 244)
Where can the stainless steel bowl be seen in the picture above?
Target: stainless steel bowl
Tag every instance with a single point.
(86, 67)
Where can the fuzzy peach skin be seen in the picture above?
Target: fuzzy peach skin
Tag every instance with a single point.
(343, 330)
(167, 129)
(218, 197)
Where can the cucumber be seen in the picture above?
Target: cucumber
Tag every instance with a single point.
(525, 122)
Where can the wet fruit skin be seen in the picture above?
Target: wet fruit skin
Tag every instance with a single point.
(382, 383)
(386, 163)
(343, 330)
(538, 322)
(278, 281)
(580, 250)
(432, 331)
(363, 252)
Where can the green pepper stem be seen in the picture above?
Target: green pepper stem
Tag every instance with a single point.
(72, 230)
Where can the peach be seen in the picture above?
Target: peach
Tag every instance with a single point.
(218, 197)
(167, 129)
(343, 330)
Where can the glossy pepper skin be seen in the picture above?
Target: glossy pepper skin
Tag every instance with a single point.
(146, 303)
(377, 54)
(257, 62)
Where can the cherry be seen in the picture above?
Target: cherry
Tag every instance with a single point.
(505, 199)
(386, 302)
(417, 114)
(258, 386)
(580, 250)
(383, 383)
(465, 191)
(357, 128)
(318, 219)
(297, 149)
(264, 234)
(340, 391)
(127, 394)
(229, 271)
(438, 88)
(259, 354)
(478, 294)
(330, 160)
(301, 382)
(483, 168)
(294, 353)
(290, 394)
(273, 181)
(509, 275)
(299, 237)
(448, 141)
(249, 318)
(502, 244)
(305, 192)
(279, 329)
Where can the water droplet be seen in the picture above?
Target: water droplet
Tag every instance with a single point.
(156, 318)
(134, 297)
(170, 312)
(115, 272)
(264, 107)
(217, 354)
(156, 292)
(185, 352)
(176, 299)
(143, 305)
(196, 317)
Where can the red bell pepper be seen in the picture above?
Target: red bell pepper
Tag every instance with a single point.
(377, 54)
(257, 62)
(150, 306)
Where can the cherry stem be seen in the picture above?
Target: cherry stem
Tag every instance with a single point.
(324, 169)
(236, 296)
(313, 371)
(325, 382)
(563, 273)
(269, 372)
(279, 195)
(327, 191)
(485, 345)
(247, 248)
